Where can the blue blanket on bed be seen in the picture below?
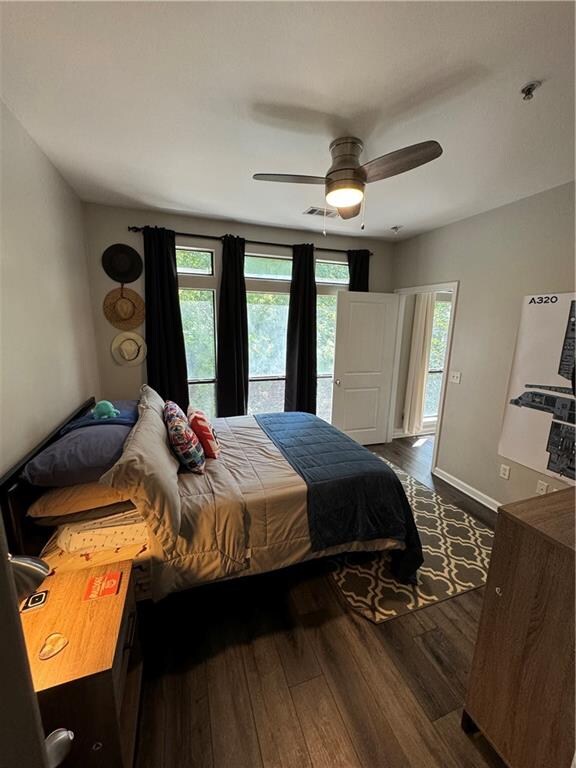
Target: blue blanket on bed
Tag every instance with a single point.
(127, 417)
(352, 494)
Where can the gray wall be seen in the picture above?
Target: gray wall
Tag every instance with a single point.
(47, 346)
(499, 257)
(106, 225)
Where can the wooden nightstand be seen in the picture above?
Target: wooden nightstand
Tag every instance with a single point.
(92, 686)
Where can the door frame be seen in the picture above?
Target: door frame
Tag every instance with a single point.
(449, 287)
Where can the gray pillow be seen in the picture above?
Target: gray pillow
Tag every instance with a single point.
(81, 456)
(148, 472)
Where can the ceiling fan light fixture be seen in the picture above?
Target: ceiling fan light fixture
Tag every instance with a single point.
(344, 193)
(346, 178)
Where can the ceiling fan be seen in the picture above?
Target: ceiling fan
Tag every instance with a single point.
(346, 178)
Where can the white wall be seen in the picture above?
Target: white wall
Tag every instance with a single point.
(106, 225)
(47, 345)
(499, 257)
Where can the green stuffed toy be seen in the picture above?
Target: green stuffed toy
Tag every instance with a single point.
(104, 410)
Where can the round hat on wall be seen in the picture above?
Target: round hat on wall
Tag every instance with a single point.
(128, 349)
(122, 263)
(124, 308)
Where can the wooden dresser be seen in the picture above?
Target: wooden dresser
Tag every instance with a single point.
(521, 691)
(92, 686)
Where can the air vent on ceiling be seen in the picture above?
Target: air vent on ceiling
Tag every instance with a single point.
(331, 213)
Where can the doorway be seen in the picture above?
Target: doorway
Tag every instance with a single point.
(426, 322)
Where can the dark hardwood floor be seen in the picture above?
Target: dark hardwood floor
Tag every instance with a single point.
(414, 455)
(273, 671)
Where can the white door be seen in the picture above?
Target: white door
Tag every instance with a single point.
(364, 364)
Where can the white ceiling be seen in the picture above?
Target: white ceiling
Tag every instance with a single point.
(175, 105)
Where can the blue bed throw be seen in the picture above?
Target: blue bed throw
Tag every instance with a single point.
(352, 494)
(127, 417)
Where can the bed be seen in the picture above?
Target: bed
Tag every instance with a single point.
(286, 488)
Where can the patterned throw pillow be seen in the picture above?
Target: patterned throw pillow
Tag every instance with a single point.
(184, 442)
(205, 431)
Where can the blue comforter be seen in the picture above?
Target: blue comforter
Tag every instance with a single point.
(127, 417)
(352, 494)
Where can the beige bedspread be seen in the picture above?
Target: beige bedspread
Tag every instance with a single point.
(245, 515)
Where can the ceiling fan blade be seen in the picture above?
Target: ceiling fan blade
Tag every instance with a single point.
(290, 178)
(350, 212)
(401, 160)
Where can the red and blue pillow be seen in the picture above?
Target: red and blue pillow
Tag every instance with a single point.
(184, 442)
(199, 422)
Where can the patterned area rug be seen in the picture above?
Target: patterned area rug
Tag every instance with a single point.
(456, 551)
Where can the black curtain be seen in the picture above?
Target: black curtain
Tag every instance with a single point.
(359, 267)
(300, 394)
(166, 360)
(232, 379)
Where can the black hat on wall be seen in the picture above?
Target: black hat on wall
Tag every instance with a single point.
(122, 263)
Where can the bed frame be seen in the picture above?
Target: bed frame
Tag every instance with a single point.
(16, 496)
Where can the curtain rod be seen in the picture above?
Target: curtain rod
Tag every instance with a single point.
(253, 242)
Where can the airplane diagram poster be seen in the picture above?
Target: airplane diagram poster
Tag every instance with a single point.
(538, 428)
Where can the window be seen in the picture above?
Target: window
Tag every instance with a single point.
(197, 307)
(436, 359)
(267, 325)
(268, 268)
(326, 343)
(267, 296)
(190, 261)
(332, 272)
(331, 276)
(280, 268)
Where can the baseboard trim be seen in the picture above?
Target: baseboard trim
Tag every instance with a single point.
(474, 493)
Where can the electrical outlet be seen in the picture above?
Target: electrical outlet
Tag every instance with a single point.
(541, 487)
(455, 377)
(504, 471)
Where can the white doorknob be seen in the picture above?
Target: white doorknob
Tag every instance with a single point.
(337, 382)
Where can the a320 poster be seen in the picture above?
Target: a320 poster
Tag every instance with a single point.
(538, 429)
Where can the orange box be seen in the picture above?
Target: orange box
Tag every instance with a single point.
(101, 586)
